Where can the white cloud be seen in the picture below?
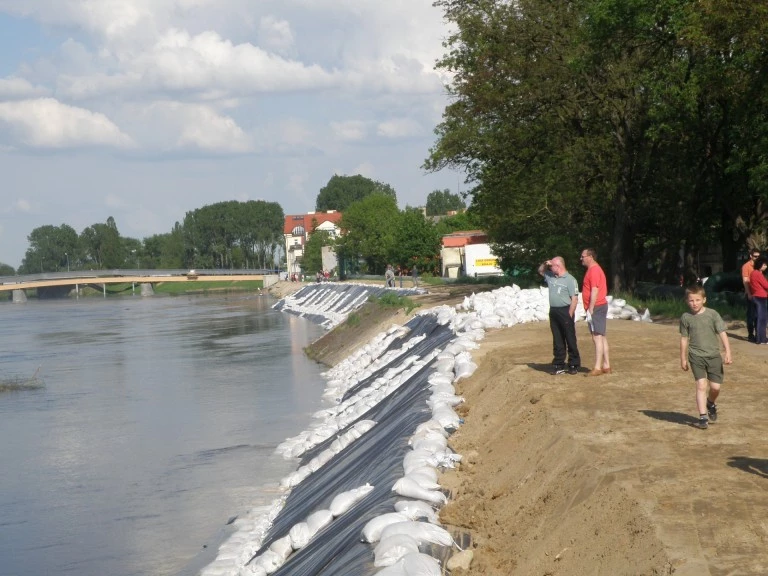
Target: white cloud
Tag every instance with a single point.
(350, 130)
(171, 126)
(13, 88)
(276, 34)
(22, 205)
(180, 62)
(47, 123)
(400, 128)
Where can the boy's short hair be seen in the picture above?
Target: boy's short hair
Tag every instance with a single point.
(695, 289)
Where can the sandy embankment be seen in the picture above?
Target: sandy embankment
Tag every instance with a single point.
(576, 476)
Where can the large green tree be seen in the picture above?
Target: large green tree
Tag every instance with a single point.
(441, 202)
(343, 191)
(6, 269)
(416, 242)
(102, 246)
(49, 248)
(369, 226)
(630, 125)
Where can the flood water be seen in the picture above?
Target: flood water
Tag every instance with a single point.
(155, 421)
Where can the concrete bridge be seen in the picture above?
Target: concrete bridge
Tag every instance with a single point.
(145, 278)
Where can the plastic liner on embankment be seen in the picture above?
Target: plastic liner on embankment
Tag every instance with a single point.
(329, 304)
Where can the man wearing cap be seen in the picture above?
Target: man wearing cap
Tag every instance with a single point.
(563, 298)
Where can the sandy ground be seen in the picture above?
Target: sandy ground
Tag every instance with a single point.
(569, 475)
(576, 476)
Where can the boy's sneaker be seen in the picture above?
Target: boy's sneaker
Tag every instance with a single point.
(573, 370)
(712, 411)
(558, 370)
(702, 423)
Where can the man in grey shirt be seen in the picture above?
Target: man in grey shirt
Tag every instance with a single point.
(563, 297)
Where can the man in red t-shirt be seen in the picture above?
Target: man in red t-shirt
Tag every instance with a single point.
(746, 271)
(593, 292)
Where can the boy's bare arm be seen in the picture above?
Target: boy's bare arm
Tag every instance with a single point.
(727, 346)
(684, 353)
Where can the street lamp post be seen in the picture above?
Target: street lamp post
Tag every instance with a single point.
(67, 255)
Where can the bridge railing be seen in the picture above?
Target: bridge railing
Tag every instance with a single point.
(130, 272)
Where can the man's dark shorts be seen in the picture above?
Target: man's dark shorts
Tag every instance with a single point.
(709, 368)
(599, 320)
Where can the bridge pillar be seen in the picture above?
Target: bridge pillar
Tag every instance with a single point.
(147, 290)
(19, 296)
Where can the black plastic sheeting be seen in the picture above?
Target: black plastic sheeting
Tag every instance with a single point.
(333, 298)
(375, 458)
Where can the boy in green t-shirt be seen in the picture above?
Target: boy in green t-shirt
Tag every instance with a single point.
(699, 348)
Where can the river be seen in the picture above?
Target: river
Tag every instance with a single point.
(155, 422)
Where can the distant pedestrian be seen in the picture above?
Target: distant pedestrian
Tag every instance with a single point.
(758, 286)
(400, 273)
(415, 275)
(389, 277)
(563, 298)
(593, 293)
(700, 331)
(746, 272)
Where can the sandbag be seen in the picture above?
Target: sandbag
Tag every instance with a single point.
(372, 530)
(422, 532)
(389, 551)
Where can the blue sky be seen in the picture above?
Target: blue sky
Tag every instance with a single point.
(146, 109)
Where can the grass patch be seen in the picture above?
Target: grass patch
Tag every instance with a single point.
(353, 319)
(195, 286)
(674, 307)
(394, 300)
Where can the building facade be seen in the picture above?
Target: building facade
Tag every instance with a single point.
(299, 227)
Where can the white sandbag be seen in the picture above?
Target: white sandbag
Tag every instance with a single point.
(418, 458)
(447, 388)
(410, 489)
(270, 561)
(446, 416)
(437, 378)
(318, 520)
(300, 535)
(430, 443)
(422, 532)
(431, 426)
(344, 501)
(464, 369)
(389, 551)
(619, 302)
(252, 569)
(416, 509)
(423, 480)
(427, 471)
(449, 399)
(445, 365)
(372, 529)
(282, 547)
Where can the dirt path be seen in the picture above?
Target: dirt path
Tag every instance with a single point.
(571, 475)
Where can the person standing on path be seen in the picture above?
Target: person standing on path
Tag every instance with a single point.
(746, 272)
(758, 286)
(389, 277)
(563, 298)
(415, 274)
(700, 331)
(593, 294)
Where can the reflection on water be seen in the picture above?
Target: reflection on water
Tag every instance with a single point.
(156, 423)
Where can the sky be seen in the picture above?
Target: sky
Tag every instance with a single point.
(144, 110)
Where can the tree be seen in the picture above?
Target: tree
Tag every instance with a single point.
(369, 227)
(312, 260)
(630, 125)
(343, 191)
(6, 270)
(102, 246)
(416, 242)
(48, 249)
(441, 202)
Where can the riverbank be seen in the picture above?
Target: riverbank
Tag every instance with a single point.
(571, 475)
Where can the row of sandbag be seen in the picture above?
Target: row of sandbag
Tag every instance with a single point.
(410, 524)
(362, 459)
(330, 304)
